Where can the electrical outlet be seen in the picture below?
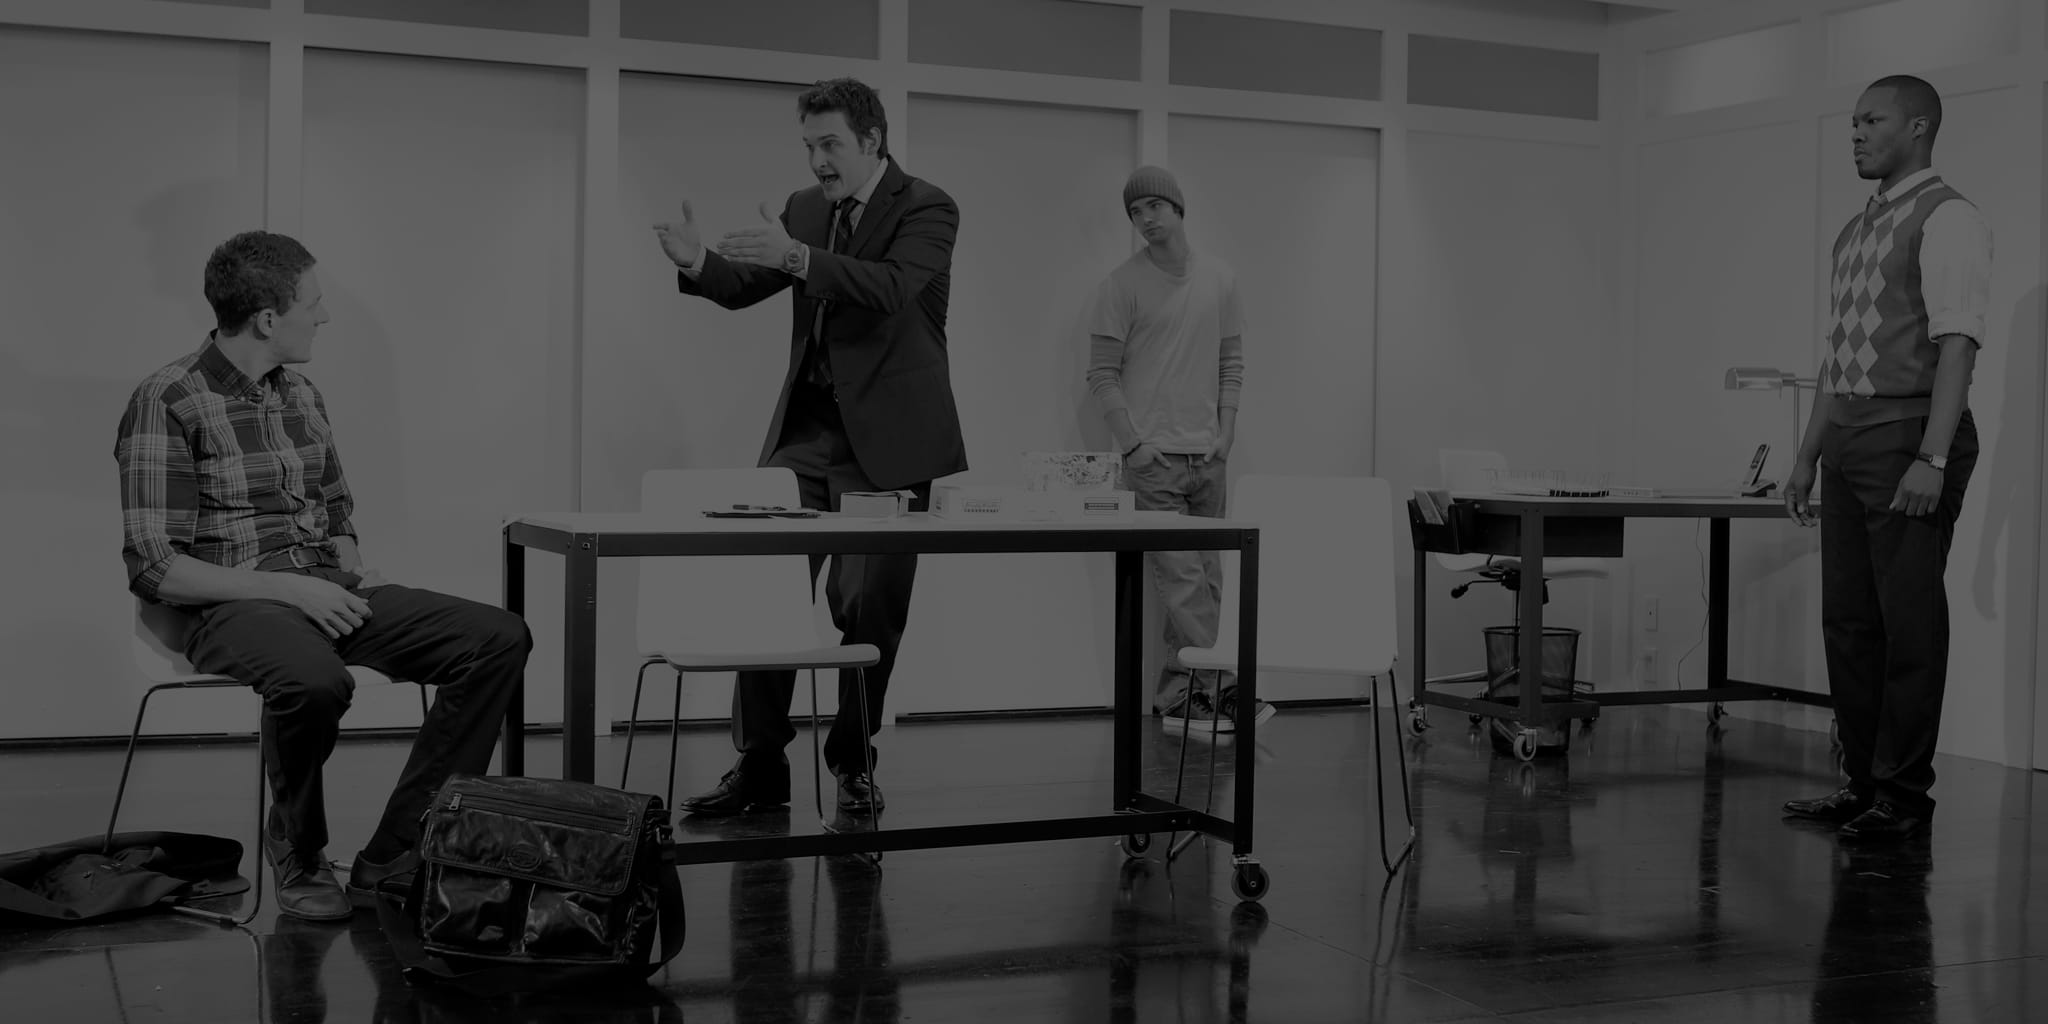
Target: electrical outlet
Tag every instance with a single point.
(1649, 615)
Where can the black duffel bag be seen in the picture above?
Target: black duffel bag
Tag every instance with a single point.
(528, 884)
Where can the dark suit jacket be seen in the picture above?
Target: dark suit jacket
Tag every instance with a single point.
(885, 323)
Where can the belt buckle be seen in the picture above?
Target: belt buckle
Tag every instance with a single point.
(312, 555)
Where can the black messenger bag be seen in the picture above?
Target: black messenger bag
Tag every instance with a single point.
(528, 884)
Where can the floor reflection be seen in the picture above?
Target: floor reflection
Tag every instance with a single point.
(1878, 952)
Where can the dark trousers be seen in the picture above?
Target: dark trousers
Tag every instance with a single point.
(1884, 607)
(869, 597)
(472, 654)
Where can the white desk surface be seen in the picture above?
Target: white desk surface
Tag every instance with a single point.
(915, 522)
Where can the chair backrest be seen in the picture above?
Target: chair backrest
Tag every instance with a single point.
(723, 603)
(1326, 573)
(1467, 469)
(159, 644)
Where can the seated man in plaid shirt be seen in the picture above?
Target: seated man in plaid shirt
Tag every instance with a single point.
(234, 506)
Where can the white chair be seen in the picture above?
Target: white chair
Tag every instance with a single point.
(157, 646)
(1325, 594)
(731, 613)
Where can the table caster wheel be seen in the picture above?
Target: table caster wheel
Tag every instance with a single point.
(1717, 712)
(1249, 881)
(1418, 721)
(1525, 744)
(1475, 720)
(1135, 844)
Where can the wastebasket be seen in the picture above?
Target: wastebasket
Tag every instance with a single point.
(1559, 654)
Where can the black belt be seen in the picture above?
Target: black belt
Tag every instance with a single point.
(304, 556)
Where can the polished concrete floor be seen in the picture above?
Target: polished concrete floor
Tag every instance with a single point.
(1646, 876)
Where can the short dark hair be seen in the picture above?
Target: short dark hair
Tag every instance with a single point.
(1916, 97)
(252, 272)
(860, 105)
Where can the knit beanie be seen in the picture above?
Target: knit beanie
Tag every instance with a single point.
(1156, 182)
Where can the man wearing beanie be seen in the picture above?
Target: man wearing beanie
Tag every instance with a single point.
(1166, 360)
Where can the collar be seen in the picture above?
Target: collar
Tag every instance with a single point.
(217, 365)
(867, 190)
(1905, 185)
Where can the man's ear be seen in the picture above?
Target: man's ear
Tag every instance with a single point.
(871, 143)
(264, 323)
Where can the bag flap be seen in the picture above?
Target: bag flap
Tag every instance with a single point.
(569, 835)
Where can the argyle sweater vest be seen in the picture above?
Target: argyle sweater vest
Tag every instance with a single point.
(1879, 349)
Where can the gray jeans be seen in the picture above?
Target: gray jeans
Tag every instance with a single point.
(1190, 583)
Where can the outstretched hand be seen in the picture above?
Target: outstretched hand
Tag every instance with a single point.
(765, 244)
(679, 239)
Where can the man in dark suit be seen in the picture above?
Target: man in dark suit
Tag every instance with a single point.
(867, 403)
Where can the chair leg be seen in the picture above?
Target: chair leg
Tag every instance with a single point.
(260, 856)
(817, 754)
(107, 841)
(675, 738)
(866, 728)
(633, 719)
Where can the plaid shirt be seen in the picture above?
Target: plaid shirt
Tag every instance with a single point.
(224, 469)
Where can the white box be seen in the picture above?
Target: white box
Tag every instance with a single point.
(876, 504)
(986, 503)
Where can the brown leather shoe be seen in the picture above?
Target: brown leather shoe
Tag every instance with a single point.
(1838, 806)
(306, 886)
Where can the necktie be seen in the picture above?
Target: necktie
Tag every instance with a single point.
(842, 229)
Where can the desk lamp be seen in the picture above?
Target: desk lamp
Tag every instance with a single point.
(1765, 378)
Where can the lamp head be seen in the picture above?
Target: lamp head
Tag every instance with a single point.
(1756, 378)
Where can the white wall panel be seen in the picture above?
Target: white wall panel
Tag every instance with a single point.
(128, 160)
(440, 200)
(1294, 209)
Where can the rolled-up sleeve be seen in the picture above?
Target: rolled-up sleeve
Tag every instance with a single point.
(159, 489)
(1955, 270)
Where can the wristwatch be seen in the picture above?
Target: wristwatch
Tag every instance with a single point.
(793, 260)
(1939, 462)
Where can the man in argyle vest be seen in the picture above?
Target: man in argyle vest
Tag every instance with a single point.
(1894, 441)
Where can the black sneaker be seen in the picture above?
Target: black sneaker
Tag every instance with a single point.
(1227, 707)
(1195, 711)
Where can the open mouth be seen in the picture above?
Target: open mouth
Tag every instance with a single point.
(828, 180)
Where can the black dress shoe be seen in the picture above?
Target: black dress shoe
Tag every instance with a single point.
(1839, 806)
(369, 881)
(858, 793)
(741, 790)
(1882, 822)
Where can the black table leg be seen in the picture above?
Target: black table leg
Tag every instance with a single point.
(512, 578)
(1247, 689)
(1421, 631)
(579, 661)
(1129, 613)
(1530, 641)
(1717, 602)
